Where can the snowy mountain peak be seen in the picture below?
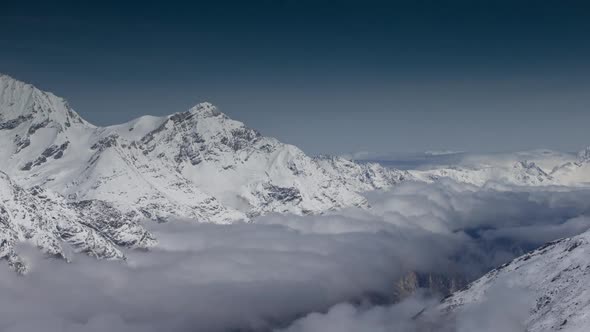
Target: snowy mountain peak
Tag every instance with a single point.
(197, 164)
(584, 155)
(22, 103)
(530, 168)
(4, 178)
(204, 109)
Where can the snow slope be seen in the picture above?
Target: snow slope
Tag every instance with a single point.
(197, 164)
(556, 276)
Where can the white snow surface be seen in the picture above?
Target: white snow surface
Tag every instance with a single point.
(197, 164)
(556, 276)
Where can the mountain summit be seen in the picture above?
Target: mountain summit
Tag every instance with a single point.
(65, 183)
(196, 164)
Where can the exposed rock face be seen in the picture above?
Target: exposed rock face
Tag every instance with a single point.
(529, 172)
(436, 283)
(362, 177)
(47, 221)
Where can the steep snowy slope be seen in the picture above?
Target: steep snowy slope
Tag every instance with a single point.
(46, 143)
(556, 276)
(48, 222)
(235, 164)
(197, 164)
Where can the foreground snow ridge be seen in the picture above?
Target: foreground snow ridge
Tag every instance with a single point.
(555, 275)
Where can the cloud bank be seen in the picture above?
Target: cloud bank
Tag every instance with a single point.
(269, 274)
(504, 309)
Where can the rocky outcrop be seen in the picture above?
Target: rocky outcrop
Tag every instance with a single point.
(50, 223)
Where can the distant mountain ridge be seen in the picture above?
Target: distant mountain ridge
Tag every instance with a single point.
(546, 169)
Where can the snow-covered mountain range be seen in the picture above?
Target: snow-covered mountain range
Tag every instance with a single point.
(530, 168)
(197, 164)
(69, 186)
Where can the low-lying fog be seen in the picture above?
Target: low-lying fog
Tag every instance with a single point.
(335, 272)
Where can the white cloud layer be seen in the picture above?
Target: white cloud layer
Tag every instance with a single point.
(205, 277)
(505, 309)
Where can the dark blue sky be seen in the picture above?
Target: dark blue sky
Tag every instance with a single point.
(328, 76)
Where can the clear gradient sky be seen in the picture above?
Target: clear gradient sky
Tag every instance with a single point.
(328, 76)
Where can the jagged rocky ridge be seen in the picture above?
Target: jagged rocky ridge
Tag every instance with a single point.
(56, 226)
(97, 183)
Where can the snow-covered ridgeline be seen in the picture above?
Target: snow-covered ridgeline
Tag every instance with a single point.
(555, 279)
(97, 183)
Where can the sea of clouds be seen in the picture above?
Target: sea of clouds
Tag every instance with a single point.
(504, 309)
(334, 272)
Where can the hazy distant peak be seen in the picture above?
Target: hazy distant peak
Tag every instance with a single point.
(584, 155)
